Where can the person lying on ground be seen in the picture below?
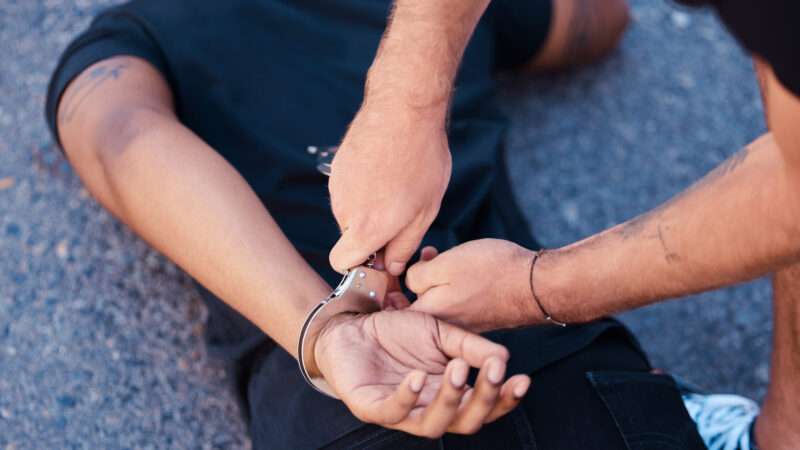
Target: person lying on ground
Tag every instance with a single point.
(189, 121)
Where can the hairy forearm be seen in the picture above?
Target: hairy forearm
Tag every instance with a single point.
(184, 199)
(739, 222)
(420, 52)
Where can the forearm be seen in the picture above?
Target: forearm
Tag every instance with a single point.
(739, 222)
(184, 199)
(420, 52)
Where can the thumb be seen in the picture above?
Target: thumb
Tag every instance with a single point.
(434, 302)
(354, 247)
(400, 249)
(425, 275)
(428, 253)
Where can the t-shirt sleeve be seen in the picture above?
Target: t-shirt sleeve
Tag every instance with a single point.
(118, 31)
(767, 28)
(521, 28)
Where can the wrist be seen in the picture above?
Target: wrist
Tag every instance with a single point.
(408, 90)
(318, 342)
(549, 286)
(406, 98)
(529, 312)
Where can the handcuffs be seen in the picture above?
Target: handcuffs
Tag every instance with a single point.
(360, 291)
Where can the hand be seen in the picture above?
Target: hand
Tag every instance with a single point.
(387, 182)
(479, 285)
(407, 371)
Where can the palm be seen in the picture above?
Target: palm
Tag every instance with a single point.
(370, 365)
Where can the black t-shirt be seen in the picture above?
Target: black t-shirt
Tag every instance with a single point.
(767, 28)
(260, 81)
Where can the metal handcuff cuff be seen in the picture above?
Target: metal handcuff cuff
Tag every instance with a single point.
(360, 291)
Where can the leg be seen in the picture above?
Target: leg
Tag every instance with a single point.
(563, 410)
(582, 32)
(778, 426)
(605, 397)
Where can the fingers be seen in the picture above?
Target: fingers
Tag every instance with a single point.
(355, 247)
(428, 253)
(425, 274)
(457, 408)
(512, 392)
(442, 411)
(396, 300)
(398, 406)
(403, 246)
(483, 399)
(474, 349)
(434, 302)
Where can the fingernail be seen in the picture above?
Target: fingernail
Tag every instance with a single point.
(396, 268)
(520, 389)
(416, 383)
(495, 374)
(458, 376)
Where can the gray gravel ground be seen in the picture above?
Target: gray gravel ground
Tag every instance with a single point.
(101, 338)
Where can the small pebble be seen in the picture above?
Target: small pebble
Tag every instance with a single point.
(62, 250)
(67, 401)
(13, 229)
(681, 20)
(6, 182)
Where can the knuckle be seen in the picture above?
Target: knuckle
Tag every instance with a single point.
(487, 399)
(413, 279)
(452, 401)
(432, 432)
(400, 249)
(408, 402)
(503, 353)
(470, 428)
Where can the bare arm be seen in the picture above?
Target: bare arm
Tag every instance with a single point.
(399, 134)
(421, 50)
(581, 32)
(119, 131)
(739, 222)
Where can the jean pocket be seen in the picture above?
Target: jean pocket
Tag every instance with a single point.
(648, 410)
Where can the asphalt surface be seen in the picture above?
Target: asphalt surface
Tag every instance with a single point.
(101, 338)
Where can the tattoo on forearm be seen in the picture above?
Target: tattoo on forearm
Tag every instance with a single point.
(669, 255)
(635, 227)
(727, 167)
(96, 77)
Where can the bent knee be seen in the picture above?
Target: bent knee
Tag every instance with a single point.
(582, 32)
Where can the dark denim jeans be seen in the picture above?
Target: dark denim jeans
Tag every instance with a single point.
(602, 397)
